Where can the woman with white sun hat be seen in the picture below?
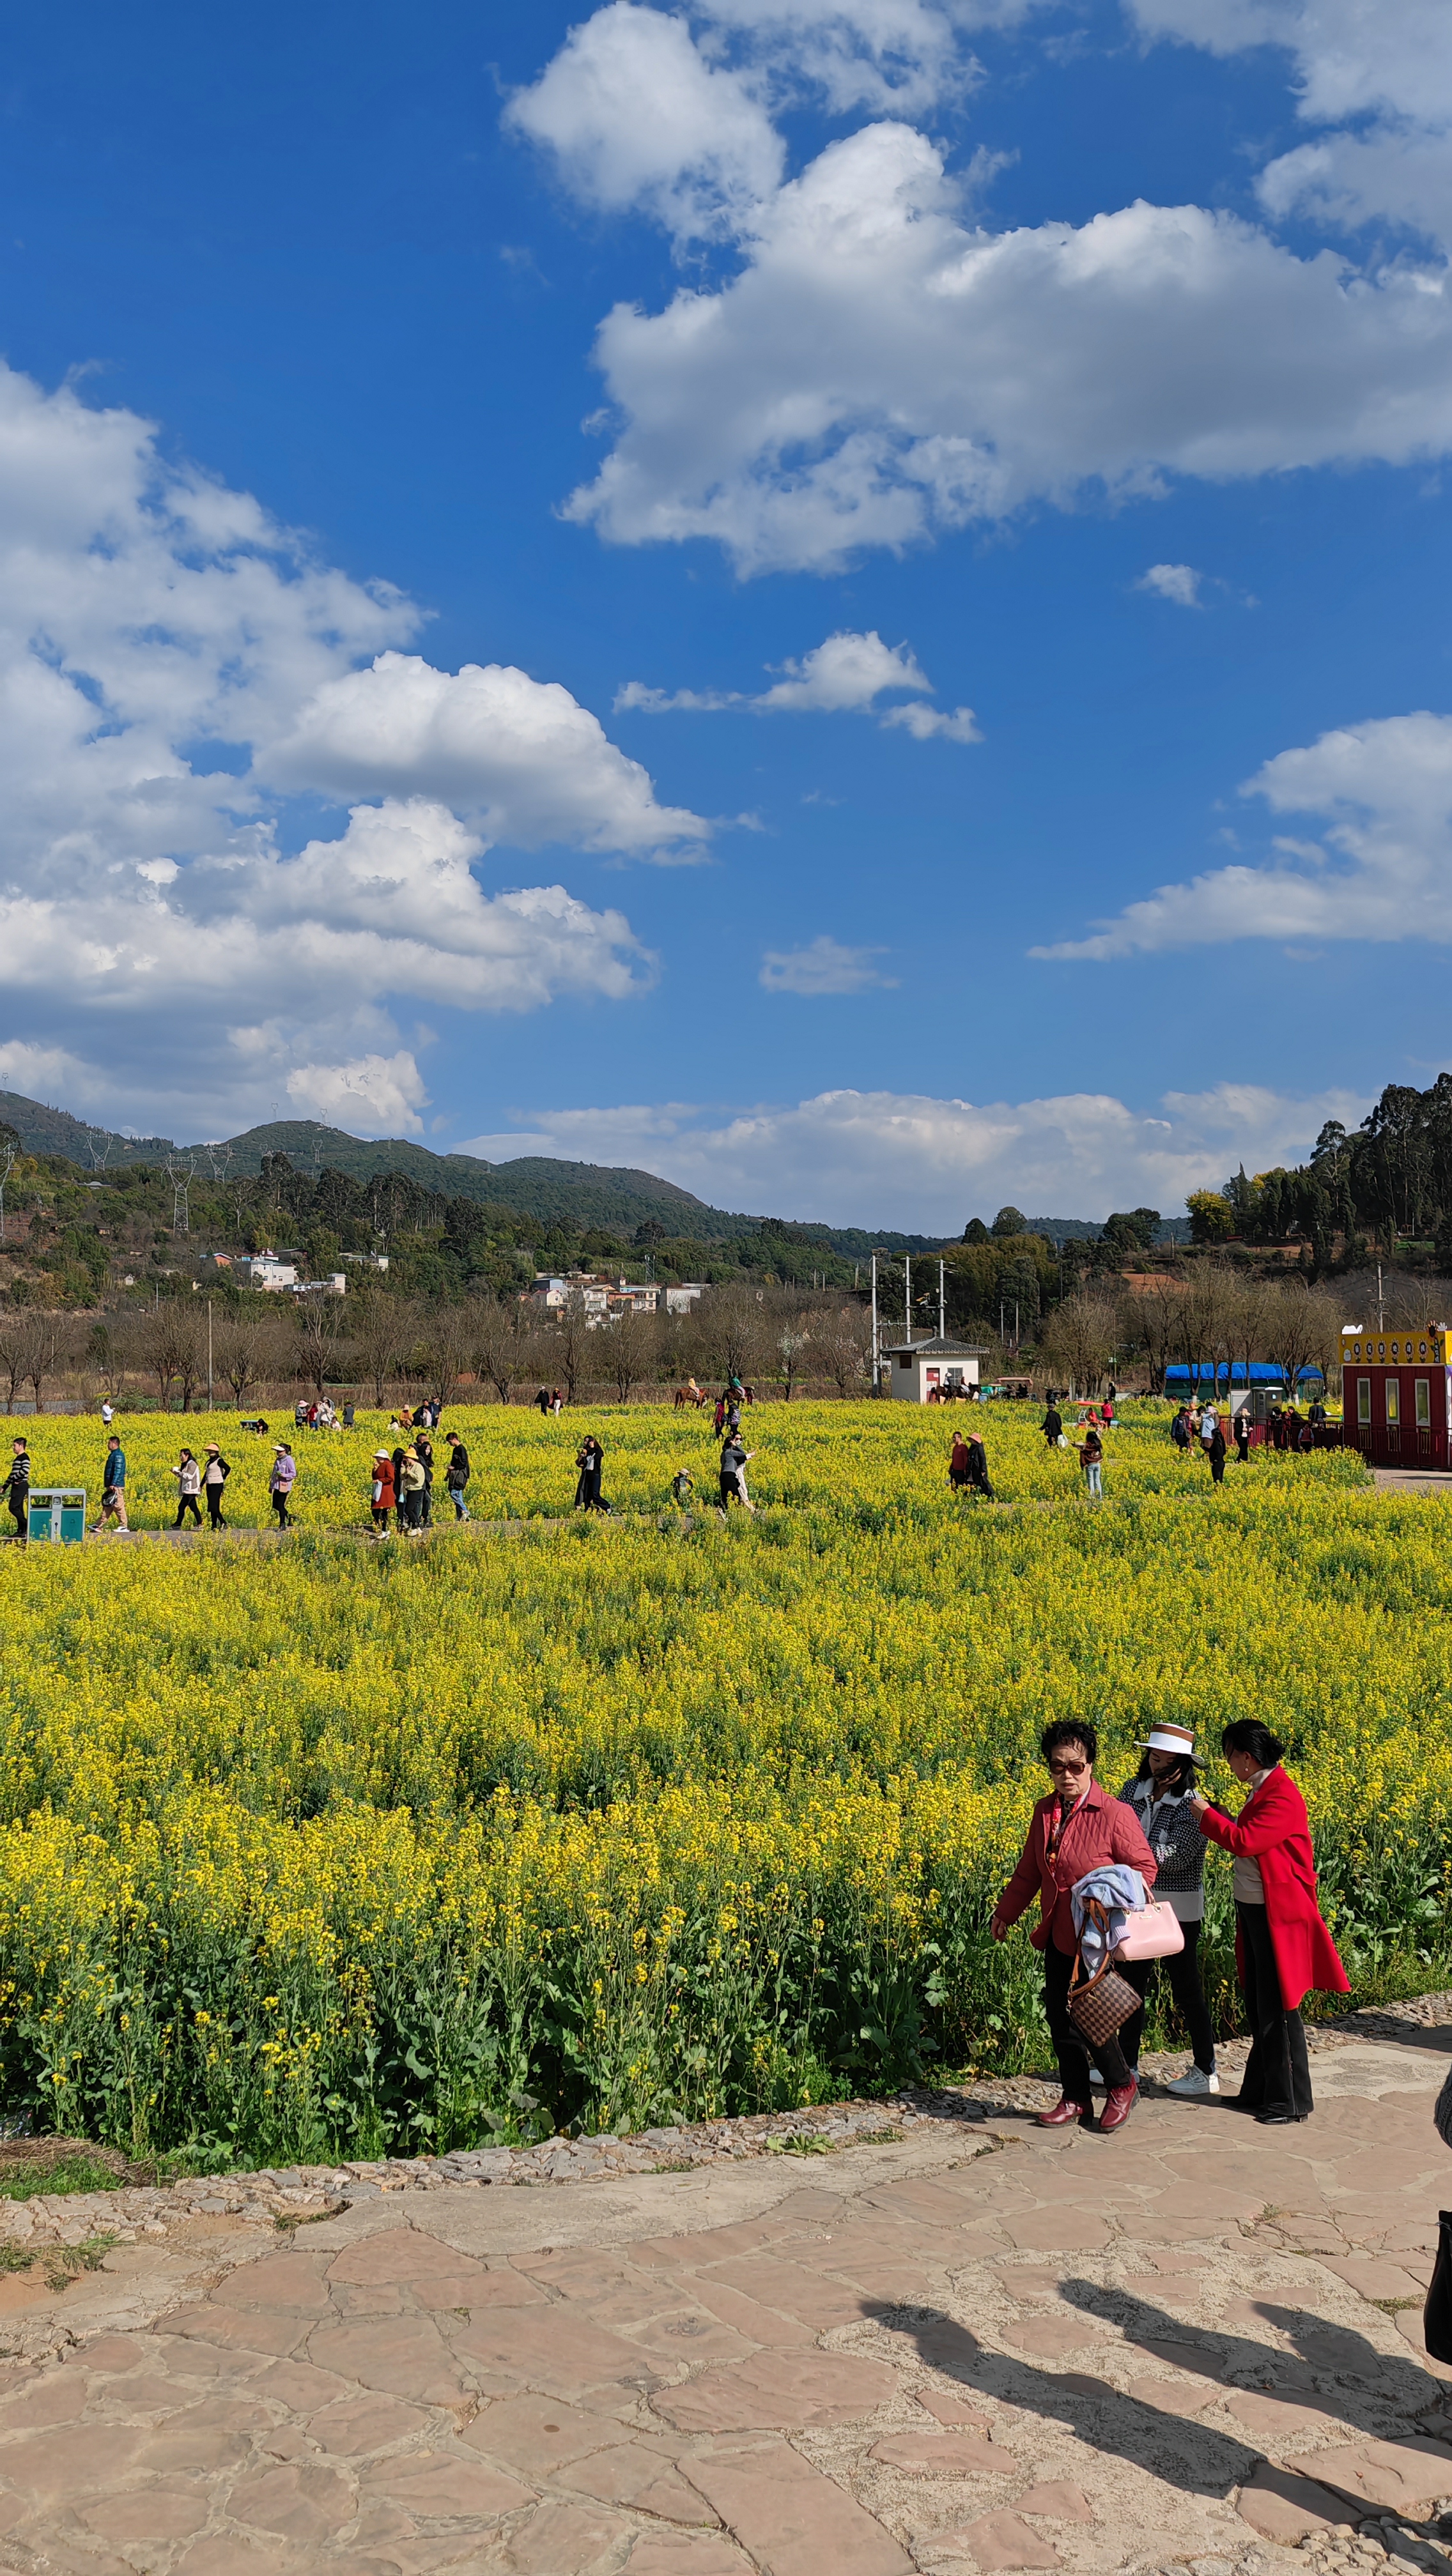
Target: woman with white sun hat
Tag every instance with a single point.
(1162, 1796)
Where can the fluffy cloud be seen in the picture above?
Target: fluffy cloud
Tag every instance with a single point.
(635, 115)
(881, 368)
(520, 755)
(1387, 67)
(382, 1093)
(902, 1159)
(638, 111)
(845, 675)
(156, 630)
(1382, 870)
(823, 966)
(1177, 582)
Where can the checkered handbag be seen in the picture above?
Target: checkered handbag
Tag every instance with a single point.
(1100, 2005)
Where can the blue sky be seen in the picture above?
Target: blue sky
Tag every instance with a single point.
(1086, 369)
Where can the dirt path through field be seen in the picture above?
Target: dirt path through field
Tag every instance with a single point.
(986, 2347)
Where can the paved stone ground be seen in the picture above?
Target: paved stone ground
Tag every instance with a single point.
(1196, 2344)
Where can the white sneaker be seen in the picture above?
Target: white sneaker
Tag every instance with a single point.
(1197, 2081)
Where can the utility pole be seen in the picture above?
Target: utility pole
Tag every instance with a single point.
(209, 1355)
(907, 1295)
(875, 1362)
(1380, 1306)
(942, 1307)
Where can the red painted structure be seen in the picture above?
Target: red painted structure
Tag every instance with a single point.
(1397, 1394)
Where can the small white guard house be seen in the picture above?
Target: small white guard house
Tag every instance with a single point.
(918, 1371)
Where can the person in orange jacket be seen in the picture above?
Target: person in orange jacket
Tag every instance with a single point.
(1282, 1946)
(384, 1495)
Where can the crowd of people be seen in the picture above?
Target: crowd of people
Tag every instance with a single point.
(1093, 1859)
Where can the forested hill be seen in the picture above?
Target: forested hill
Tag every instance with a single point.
(535, 1185)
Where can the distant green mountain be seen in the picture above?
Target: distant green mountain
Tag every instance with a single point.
(535, 1185)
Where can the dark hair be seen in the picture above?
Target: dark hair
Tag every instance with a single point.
(1182, 1776)
(1070, 1730)
(1247, 1735)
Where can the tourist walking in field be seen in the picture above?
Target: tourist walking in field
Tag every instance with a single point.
(423, 1450)
(383, 1490)
(113, 1488)
(1215, 1450)
(108, 1413)
(16, 1488)
(1241, 1428)
(978, 1466)
(734, 1460)
(410, 1490)
(215, 1473)
(958, 1463)
(1282, 1947)
(1160, 1796)
(1091, 1461)
(1076, 1829)
(281, 1482)
(456, 1478)
(683, 1485)
(590, 1459)
(1180, 1430)
(189, 1485)
(1052, 1425)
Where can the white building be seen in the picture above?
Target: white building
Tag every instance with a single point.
(264, 1270)
(918, 1370)
(679, 1301)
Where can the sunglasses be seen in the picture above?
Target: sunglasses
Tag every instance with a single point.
(1057, 1763)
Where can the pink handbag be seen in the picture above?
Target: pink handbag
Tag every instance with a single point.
(1153, 1933)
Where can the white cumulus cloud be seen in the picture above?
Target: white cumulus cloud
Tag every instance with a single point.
(379, 1092)
(881, 368)
(844, 675)
(1378, 70)
(1381, 871)
(170, 659)
(1177, 582)
(823, 966)
(520, 755)
(920, 1162)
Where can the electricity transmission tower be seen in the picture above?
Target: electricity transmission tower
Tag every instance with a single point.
(181, 1174)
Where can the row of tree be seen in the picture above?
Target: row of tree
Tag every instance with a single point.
(1388, 1181)
(1210, 1319)
(382, 1345)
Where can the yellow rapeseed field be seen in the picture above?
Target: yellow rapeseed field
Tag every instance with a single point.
(339, 1846)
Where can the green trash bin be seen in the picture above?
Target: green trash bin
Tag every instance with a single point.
(57, 1515)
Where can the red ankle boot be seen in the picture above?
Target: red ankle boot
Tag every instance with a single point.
(1118, 2108)
(1062, 2114)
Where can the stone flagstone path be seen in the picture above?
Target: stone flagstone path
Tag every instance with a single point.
(1194, 2345)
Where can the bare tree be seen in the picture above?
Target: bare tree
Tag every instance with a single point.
(733, 1330)
(844, 1347)
(1151, 1317)
(450, 1343)
(1078, 1340)
(165, 1340)
(634, 1351)
(791, 1336)
(568, 1349)
(503, 1345)
(1208, 1313)
(12, 1353)
(243, 1349)
(1292, 1329)
(383, 1331)
(319, 1324)
(47, 1346)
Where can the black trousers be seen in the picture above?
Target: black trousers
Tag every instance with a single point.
(1277, 2072)
(214, 1505)
(1069, 2048)
(187, 1503)
(1183, 1972)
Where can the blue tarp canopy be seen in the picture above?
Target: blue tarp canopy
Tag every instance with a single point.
(1262, 1373)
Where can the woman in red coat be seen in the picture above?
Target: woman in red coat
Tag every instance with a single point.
(1282, 1947)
